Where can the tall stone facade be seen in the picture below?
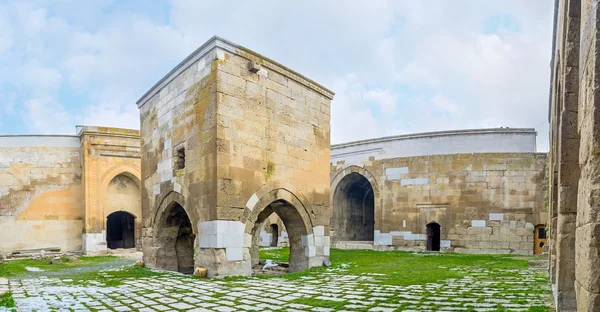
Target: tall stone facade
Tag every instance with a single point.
(474, 191)
(111, 183)
(54, 188)
(229, 137)
(573, 160)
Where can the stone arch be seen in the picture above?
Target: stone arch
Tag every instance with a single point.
(347, 183)
(110, 175)
(120, 192)
(288, 206)
(171, 197)
(174, 236)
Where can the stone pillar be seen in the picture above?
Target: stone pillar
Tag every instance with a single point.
(568, 158)
(587, 271)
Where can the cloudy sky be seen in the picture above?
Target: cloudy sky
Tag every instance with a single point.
(396, 66)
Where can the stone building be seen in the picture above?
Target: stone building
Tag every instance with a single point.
(474, 191)
(573, 156)
(229, 137)
(79, 193)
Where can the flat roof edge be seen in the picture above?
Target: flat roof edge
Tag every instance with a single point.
(221, 43)
(438, 134)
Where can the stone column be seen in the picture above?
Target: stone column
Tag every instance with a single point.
(568, 158)
(587, 271)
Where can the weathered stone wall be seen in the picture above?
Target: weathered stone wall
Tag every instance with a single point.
(54, 188)
(110, 153)
(484, 203)
(256, 140)
(575, 166)
(40, 193)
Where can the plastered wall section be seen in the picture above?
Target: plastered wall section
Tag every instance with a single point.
(109, 154)
(271, 131)
(485, 203)
(496, 140)
(41, 203)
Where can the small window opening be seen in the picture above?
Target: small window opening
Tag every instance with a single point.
(541, 233)
(180, 161)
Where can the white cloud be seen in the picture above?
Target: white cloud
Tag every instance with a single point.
(444, 104)
(351, 118)
(416, 65)
(42, 80)
(46, 116)
(385, 99)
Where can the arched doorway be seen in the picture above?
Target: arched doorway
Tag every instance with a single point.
(175, 239)
(120, 230)
(539, 239)
(433, 236)
(274, 235)
(296, 228)
(123, 209)
(353, 209)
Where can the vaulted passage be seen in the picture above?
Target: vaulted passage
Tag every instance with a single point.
(296, 229)
(353, 209)
(433, 236)
(120, 230)
(175, 241)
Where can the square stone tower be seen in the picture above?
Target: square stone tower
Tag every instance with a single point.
(229, 137)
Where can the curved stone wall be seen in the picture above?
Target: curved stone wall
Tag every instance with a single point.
(485, 188)
(496, 140)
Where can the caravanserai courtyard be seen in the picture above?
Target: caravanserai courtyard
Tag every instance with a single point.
(359, 280)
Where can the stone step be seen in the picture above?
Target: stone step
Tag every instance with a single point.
(32, 254)
(538, 264)
(35, 251)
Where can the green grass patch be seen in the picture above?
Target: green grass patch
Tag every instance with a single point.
(319, 303)
(18, 268)
(400, 267)
(6, 300)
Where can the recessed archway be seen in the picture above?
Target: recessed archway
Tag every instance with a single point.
(122, 210)
(175, 240)
(353, 209)
(296, 228)
(433, 236)
(120, 230)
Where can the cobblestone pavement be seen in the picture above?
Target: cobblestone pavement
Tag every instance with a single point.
(480, 290)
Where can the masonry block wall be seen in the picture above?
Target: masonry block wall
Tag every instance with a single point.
(111, 181)
(483, 202)
(573, 117)
(55, 188)
(40, 193)
(256, 141)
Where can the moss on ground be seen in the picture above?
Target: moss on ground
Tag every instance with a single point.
(6, 300)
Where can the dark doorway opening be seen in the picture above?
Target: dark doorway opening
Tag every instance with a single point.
(354, 209)
(120, 230)
(176, 238)
(274, 235)
(433, 236)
